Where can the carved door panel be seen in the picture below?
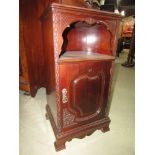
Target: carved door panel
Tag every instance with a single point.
(82, 90)
(87, 88)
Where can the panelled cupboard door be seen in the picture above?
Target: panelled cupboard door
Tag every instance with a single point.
(82, 87)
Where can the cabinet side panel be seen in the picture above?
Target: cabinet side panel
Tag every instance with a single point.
(47, 29)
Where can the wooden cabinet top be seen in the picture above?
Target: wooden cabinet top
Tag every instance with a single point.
(80, 10)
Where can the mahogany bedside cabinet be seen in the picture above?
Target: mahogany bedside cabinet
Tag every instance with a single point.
(80, 46)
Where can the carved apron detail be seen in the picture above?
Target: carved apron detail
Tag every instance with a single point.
(68, 118)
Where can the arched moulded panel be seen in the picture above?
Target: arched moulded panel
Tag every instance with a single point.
(87, 96)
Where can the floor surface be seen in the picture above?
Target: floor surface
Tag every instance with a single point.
(37, 137)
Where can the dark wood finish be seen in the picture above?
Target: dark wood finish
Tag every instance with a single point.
(80, 46)
(32, 61)
(23, 68)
